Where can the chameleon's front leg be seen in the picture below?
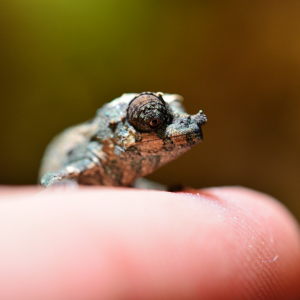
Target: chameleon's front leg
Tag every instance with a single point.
(145, 184)
(71, 172)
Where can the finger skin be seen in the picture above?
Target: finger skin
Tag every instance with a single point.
(101, 243)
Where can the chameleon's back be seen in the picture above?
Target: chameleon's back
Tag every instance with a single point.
(57, 152)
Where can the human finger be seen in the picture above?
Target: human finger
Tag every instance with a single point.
(99, 243)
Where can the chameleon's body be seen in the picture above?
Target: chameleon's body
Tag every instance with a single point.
(128, 138)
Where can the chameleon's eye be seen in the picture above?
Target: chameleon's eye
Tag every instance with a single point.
(148, 112)
(154, 123)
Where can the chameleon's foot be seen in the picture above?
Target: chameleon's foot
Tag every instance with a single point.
(146, 184)
(50, 179)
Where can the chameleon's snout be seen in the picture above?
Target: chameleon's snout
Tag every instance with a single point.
(184, 124)
(199, 118)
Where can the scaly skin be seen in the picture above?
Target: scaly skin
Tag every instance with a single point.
(130, 137)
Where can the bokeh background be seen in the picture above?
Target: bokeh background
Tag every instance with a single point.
(238, 61)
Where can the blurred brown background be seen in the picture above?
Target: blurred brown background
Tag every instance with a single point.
(237, 61)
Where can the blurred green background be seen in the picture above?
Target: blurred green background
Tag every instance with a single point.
(237, 61)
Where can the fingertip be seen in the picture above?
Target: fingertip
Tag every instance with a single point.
(272, 233)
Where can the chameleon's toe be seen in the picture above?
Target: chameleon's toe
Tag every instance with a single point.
(49, 179)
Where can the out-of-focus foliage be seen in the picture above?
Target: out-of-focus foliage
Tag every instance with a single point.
(237, 61)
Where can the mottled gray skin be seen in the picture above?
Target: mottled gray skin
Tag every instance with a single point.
(110, 151)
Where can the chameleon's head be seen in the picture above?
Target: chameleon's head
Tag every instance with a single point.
(158, 129)
(155, 117)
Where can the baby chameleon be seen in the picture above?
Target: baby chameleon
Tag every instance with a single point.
(130, 137)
